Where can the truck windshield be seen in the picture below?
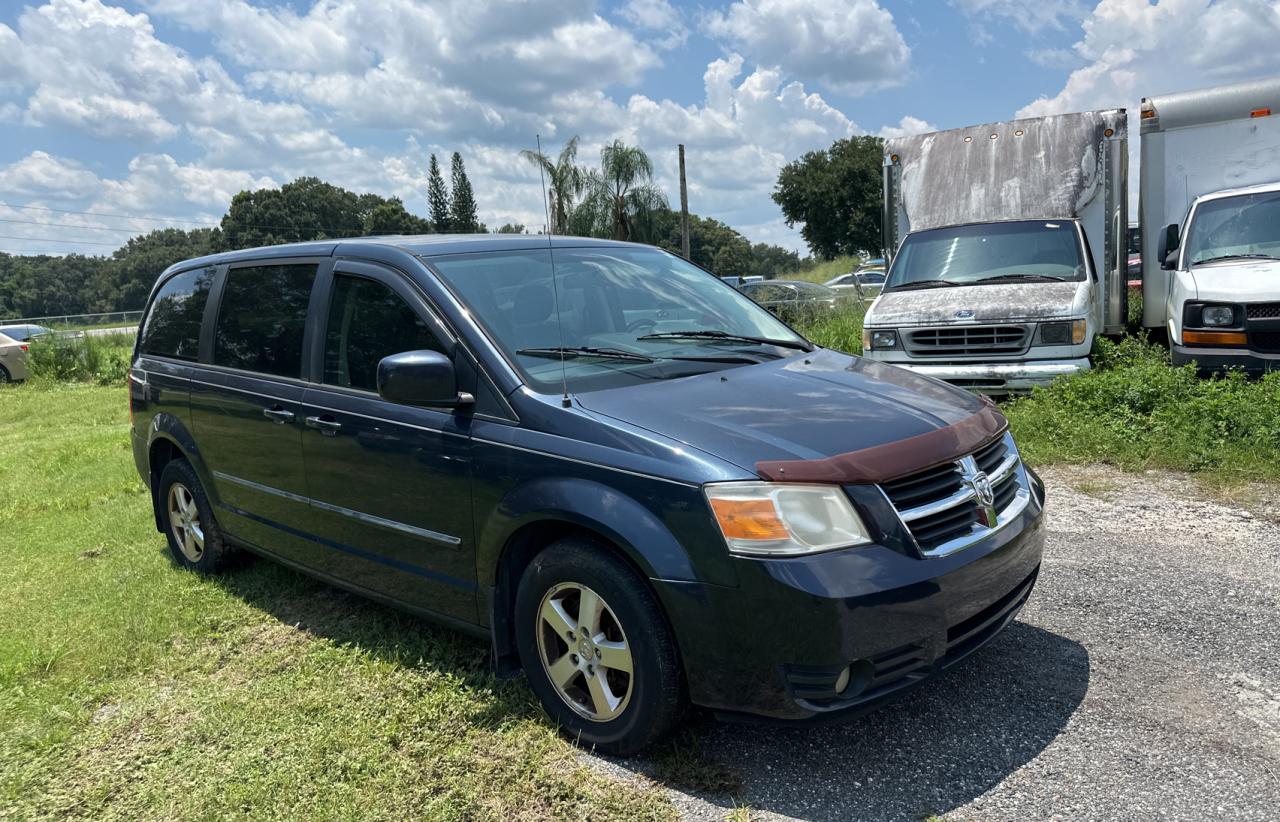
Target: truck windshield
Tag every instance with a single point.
(1246, 225)
(626, 316)
(1027, 250)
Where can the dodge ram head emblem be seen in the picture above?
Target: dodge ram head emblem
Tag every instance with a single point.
(986, 497)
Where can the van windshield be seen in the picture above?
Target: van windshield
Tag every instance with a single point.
(1027, 250)
(626, 316)
(1243, 226)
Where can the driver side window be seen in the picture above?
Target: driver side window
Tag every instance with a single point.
(369, 321)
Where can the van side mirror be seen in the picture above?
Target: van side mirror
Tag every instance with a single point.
(420, 378)
(1168, 250)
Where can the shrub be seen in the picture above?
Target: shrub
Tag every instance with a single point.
(66, 358)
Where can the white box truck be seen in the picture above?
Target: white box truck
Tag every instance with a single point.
(1210, 203)
(1007, 245)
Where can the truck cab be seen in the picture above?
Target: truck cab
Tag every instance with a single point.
(1223, 303)
(1008, 246)
(1210, 201)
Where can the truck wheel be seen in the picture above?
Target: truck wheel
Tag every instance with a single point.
(596, 648)
(195, 540)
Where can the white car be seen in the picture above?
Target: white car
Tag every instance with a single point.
(871, 281)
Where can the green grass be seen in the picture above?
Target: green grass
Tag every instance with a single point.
(103, 359)
(130, 689)
(1136, 411)
(840, 329)
(825, 270)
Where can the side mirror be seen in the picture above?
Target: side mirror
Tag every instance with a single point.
(420, 378)
(1168, 247)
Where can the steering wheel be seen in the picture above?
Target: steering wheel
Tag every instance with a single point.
(636, 325)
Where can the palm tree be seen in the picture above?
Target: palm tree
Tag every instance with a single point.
(620, 199)
(565, 180)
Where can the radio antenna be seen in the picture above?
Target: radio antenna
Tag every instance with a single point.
(555, 289)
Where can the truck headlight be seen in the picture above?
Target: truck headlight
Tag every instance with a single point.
(1072, 331)
(1217, 315)
(783, 519)
(882, 340)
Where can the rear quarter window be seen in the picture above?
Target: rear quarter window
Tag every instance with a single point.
(172, 327)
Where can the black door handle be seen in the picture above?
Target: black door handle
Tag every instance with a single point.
(279, 414)
(326, 425)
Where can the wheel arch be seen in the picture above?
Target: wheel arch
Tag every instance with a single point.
(564, 509)
(168, 440)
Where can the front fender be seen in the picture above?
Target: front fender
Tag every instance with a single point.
(634, 527)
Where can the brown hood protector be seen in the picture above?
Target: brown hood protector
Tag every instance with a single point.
(892, 460)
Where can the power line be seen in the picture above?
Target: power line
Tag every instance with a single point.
(70, 225)
(103, 214)
(55, 240)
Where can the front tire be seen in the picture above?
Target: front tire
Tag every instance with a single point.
(596, 648)
(195, 540)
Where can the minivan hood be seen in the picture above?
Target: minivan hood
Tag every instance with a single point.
(1238, 280)
(802, 408)
(989, 303)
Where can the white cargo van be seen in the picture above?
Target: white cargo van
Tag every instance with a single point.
(1007, 244)
(1210, 202)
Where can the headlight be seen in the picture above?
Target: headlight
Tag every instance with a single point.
(881, 340)
(1072, 332)
(1217, 315)
(782, 519)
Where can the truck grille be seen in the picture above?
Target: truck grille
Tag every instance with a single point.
(942, 506)
(1265, 341)
(1262, 311)
(969, 339)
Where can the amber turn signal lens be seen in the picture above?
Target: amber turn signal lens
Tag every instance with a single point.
(749, 519)
(1215, 337)
(1260, 112)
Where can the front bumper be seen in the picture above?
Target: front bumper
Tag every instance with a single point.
(774, 646)
(1209, 361)
(1002, 376)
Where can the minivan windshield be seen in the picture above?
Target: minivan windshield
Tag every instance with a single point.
(1023, 250)
(626, 315)
(1231, 228)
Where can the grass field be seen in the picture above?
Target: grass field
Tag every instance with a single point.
(132, 690)
(824, 271)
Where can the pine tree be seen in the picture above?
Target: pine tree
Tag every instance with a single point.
(462, 212)
(438, 199)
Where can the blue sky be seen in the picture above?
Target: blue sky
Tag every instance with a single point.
(166, 108)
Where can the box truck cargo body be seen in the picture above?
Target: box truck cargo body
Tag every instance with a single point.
(1008, 248)
(1210, 213)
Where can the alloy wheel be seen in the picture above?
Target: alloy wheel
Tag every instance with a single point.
(584, 651)
(184, 519)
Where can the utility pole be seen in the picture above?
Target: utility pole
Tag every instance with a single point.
(684, 210)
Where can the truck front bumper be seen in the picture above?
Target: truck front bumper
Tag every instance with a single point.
(1000, 377)
(1209, 361)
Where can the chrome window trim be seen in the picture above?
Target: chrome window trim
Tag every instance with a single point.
(434, 536)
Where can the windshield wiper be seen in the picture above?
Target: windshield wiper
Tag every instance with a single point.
(1236, 257)
(1033, 278)
(924, 284)
(725, 335)
(575, 352)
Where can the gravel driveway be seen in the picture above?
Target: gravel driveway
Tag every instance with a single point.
(1142, 681)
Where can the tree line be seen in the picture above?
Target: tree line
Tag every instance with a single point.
(833, 194)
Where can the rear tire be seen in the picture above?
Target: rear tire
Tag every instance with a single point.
(596, 648)
(194, 538)
(4, 375)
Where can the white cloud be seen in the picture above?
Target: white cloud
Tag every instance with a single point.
(40, 174)
(906, 127)
(1133, 49)
(1032, 17)
(852, 46)
(657, 16)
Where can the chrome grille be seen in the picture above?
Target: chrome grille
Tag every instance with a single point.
(968, 339)
(1262, 311)
(943, 507)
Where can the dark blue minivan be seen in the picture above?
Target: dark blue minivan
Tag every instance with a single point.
(644, 489)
